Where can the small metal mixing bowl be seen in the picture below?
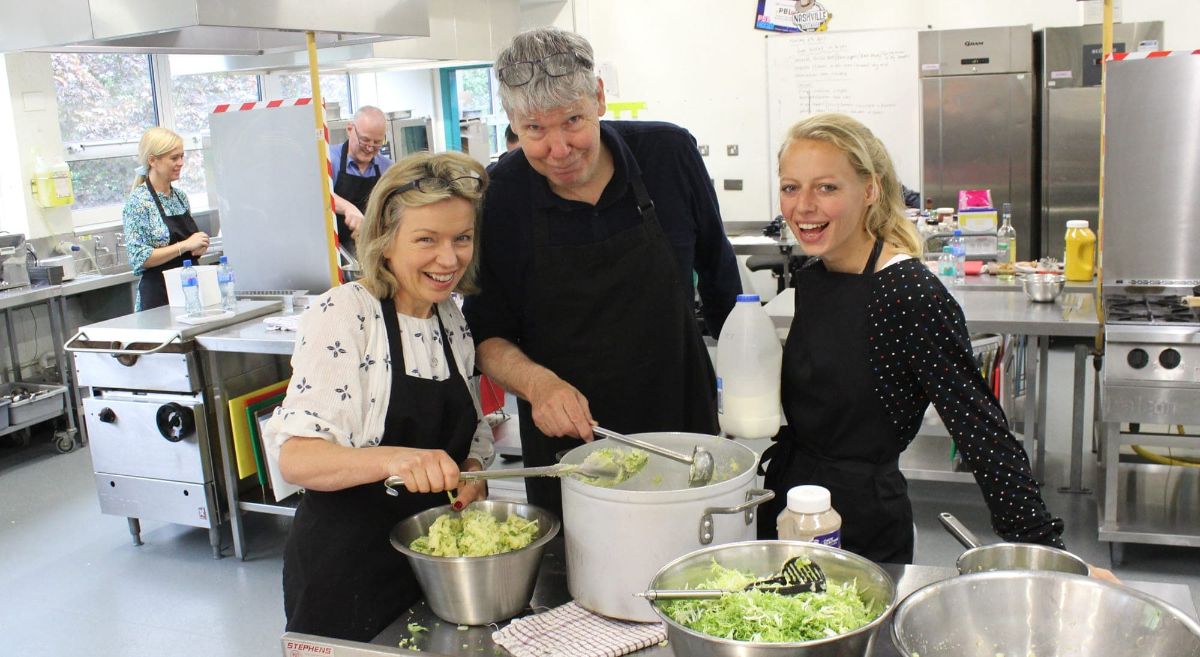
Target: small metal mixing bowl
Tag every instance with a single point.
(1043, 288)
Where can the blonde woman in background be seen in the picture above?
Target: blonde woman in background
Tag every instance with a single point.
(159, 230)
(875, 339)
(379, 388)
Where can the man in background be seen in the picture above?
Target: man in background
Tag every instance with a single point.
(357, 166)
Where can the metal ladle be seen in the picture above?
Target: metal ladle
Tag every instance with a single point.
(701, 459)
(586, 469)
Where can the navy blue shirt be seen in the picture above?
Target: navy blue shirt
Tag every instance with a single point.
(674, 175)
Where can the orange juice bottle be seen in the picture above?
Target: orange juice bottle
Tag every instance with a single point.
(1080, 260)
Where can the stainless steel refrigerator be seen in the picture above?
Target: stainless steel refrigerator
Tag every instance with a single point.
(977, 124)
(1069, 61)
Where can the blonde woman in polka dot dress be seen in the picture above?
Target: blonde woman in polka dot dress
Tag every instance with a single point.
(876, 338)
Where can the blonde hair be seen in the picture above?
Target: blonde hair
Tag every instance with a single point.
(156, 142)
(885, 216)
(385, 210)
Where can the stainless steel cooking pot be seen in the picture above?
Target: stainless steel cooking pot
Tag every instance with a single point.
(617, 538)
(1039, 613)
(1009, 556)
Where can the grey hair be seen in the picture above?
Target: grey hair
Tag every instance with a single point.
(544, 92)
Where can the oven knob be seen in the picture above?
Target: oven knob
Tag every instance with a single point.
(175, 422)
(1137, 358)
(107, 415)
(1169, 358)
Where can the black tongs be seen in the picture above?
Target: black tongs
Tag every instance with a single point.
(797, 576)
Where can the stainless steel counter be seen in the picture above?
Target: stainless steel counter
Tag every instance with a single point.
(997, 310)
(251, 337)
(445, 639)
(90, 282)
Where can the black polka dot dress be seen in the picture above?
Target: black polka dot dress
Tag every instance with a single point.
(920, 353)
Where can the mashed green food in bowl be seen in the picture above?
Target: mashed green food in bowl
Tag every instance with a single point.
(475, 533)
(465, 589)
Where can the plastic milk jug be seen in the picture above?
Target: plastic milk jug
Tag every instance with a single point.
(749, 357)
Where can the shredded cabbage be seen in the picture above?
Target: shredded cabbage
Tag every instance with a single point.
(626, 462)
(764, 616)
(475, 533)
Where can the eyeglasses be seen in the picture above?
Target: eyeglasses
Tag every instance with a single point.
(556, 65)
(433, 184)
(374, 143)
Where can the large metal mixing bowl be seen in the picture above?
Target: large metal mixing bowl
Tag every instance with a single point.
(477, 590)
(764, 559)
(1017, 614)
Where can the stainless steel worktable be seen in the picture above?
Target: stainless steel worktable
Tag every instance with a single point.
(249, 337)
(1073, 314)
(446, 639)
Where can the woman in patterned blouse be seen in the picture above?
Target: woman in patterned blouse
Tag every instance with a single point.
(379, 388)
(875, 339)
(159, 230)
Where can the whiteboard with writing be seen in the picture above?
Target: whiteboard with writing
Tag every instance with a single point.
(870, 75)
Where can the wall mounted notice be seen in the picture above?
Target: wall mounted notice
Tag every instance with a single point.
(870, 75)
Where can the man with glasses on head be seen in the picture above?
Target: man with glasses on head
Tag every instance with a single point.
(594, 231)
(357, 167)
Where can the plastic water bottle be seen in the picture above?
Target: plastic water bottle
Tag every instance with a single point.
(225, 281)
(1006, 242)
(946, 266)
(190, 281)
(959, 248)
(749, 357)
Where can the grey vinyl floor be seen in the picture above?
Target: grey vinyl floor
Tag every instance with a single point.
(72, 583)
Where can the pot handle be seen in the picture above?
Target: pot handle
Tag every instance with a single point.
(958, 530)
(754, 497)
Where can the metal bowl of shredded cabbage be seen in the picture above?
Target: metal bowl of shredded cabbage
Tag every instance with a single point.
(839, 622)
(478, 565)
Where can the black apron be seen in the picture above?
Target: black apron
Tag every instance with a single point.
(341, 576)
(612, 319)
(153, 287)
(838, 434)
(355, 190)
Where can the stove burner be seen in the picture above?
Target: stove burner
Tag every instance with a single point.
(1143, 309)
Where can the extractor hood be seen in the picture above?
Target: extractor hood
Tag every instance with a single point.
(225, 27)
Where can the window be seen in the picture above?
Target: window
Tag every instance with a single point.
(103, 98)
(193, 97)
(106, 102)
(479, 97)
(335, 88)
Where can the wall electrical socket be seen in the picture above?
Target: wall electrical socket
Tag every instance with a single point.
(703, 150)
(731, 150)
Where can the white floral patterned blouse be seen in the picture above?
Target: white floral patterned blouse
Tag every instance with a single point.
(341, 370)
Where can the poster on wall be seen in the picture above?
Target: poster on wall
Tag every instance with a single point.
(792, 16)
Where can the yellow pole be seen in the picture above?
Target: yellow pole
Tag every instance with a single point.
(335, 277)
(1107, 47)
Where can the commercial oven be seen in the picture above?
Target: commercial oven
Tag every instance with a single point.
(150, 419)
(403, 134)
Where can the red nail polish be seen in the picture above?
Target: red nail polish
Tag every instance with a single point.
(458, 506)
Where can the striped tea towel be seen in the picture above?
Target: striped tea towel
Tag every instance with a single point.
(572, 631)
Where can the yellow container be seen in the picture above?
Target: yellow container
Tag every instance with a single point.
(51, 185)
(1080, 258)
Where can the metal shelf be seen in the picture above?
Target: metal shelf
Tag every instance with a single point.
(1155, 504)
